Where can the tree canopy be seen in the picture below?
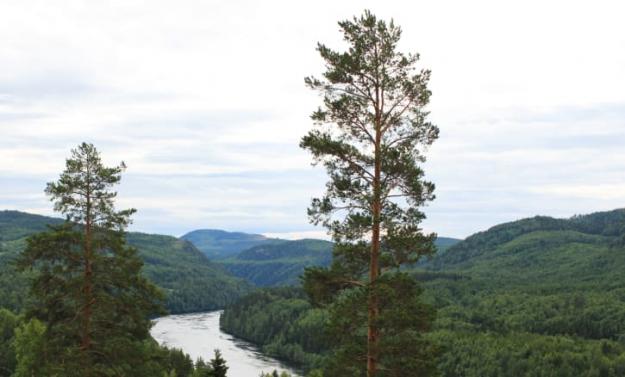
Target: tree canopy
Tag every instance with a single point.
(371, 135)
(87, 287)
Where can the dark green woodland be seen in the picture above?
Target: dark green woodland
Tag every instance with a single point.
(534, 297)
(191, 282)
(539, 296)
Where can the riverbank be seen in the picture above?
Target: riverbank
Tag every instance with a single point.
(198, 334)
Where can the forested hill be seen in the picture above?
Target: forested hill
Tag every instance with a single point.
(218, 244)
(192, 282)
(525, 298)
(15, 225)
(279, 264)
(444, 243)
(582, 249)
(282, 263)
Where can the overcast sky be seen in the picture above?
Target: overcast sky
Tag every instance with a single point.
(205, 102)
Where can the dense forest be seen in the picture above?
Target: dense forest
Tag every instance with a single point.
(281, 262)
(190, 281)
(282, 322)
(16, 341)
(535, 294)
(278, 264)
(539, 296)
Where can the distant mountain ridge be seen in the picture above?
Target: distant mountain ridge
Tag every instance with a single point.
(282, 263)
(314, 249)
(191, 281)
(219, 244)
(608, 226)
(16, 224)
(581, 253)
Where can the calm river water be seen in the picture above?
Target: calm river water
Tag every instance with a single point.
(199, 334)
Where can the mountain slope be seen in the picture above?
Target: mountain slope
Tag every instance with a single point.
(279, 264)
(219, 244)
(191, 281)
(580, 251)
(15, 225)
(283, 263)
(538, 296)
(444, 243)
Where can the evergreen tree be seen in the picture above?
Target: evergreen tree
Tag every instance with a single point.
(202, 369)
(372, 132)
(88, 288)
(30, 348)
(275, 374)
(8, 324)
(218, 364)
(180, 363)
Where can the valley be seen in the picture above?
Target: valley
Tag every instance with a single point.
(190, 281)
(538, 293)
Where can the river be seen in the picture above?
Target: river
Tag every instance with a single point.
(198, 335)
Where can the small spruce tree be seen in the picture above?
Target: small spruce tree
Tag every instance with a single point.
(218, 365)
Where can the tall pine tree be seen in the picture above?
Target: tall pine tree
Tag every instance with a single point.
(371, 133)
(88, 287)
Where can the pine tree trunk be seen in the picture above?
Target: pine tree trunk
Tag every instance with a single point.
(373, 333)
(88, 285)
(373, 310)
(88, 290)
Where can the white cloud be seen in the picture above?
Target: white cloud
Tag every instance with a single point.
(205, 102)
(599, 192)
(315, 234)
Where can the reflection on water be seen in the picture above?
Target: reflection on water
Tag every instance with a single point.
(199, 334)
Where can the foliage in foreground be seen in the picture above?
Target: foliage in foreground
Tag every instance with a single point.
(88, 292)
(475, 340)
(90, 305)
(23, 343)
(276, 374)
(285, 325)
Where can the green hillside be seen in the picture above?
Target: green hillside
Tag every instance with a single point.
(534, 297)
(444, 243)
(563, 254)
(279, 264)
(191, 281)
(219, 244)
